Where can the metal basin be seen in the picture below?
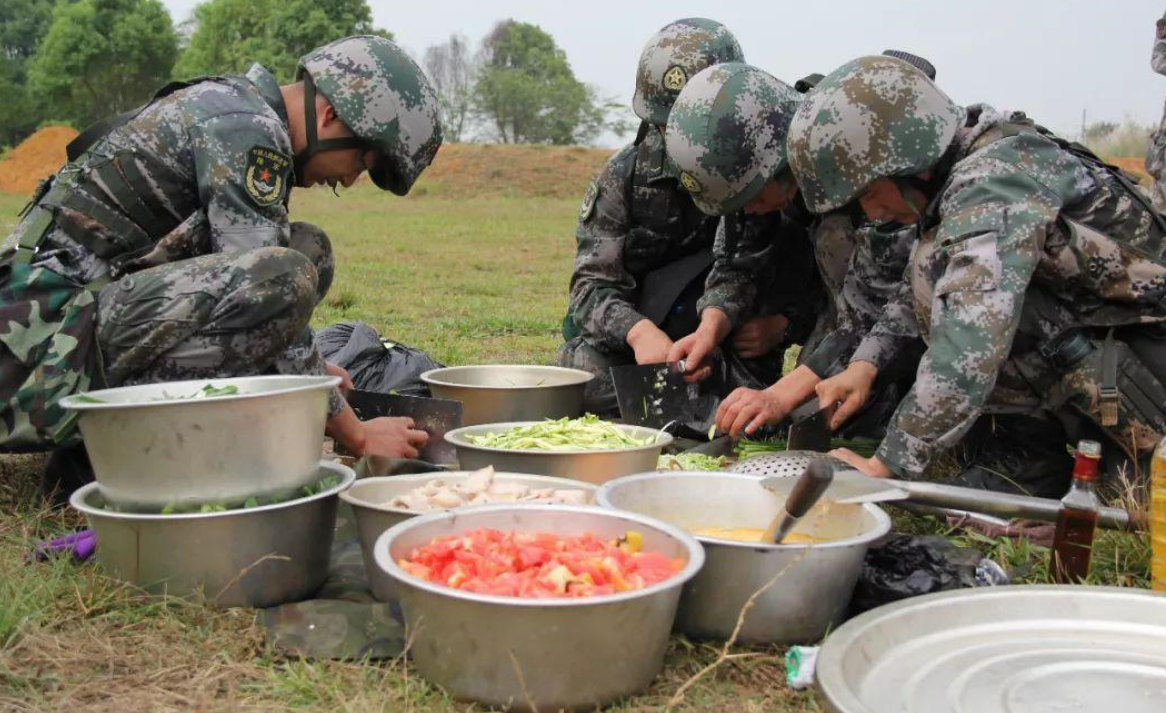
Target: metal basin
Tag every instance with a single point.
(258, 557)
(595, 466)
(1035, 649)
(569, 654)
(148, 453)
(373, 517)
(501, 392)
(806, 601)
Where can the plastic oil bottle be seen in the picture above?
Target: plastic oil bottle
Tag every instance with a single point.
(1077, 520)
(1158, 519)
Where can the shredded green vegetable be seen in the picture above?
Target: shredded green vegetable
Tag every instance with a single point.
(315, 488)
(747, 448)
(208, 391)
(585, 433)
(692, 461)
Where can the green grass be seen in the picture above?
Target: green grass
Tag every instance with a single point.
(470, 281)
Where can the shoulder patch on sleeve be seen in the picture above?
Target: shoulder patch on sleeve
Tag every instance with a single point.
(266, 175)
(589, 196)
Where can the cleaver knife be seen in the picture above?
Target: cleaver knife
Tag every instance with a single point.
(810, 427)
(434, 416)
(654, 395)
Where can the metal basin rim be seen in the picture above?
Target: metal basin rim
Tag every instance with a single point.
(318, 382)
(420, 479)
(457, 438)
(582, 377)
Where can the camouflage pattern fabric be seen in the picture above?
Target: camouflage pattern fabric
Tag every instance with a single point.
(384, 98)
(227, 313)
(1024, 242)
(1156, 155)
(46, 353)
(726, 134)
(873, 117)
(201, 171)
(677, 52)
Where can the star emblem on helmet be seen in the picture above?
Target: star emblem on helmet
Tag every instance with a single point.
(675, 78)
(690, 184)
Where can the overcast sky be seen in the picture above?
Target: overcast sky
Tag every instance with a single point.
(1051, 58)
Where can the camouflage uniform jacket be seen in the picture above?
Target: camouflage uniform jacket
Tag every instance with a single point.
(634, 218)
(1156, 156)
(205, 169)
(1016, 213)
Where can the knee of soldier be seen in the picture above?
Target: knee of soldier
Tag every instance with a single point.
(313, 242)
(286, 275)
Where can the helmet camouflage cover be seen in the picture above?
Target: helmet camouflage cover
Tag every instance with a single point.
(873, 117)
(384, 98)
(672, 57)
(726, 135)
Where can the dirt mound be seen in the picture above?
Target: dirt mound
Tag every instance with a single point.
(38, 156)
(523, 171)
(1134, 165)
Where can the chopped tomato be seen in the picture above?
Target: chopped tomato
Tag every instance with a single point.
(539, 565)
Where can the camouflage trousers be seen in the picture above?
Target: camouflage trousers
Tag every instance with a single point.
(599, 395)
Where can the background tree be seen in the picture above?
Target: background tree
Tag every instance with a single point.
(228, 35)
(102, 57)
(23, 24)
(527, 92)
(452, 70)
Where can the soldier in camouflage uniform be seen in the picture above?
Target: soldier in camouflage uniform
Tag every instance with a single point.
(1156, 155)
(1038, 279)
(644, 248)
(163, 251)
(727, 133)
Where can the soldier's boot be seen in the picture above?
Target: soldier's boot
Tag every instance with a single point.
(64, 471)
(1021, 455)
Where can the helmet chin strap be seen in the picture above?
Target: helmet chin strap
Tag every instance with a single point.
(314, 144)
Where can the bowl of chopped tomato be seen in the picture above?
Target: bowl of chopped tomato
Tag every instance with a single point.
(538, 607)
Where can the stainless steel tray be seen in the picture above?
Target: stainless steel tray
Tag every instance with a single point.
(1017, 649)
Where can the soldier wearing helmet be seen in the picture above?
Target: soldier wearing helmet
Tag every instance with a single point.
(645, 249)
(162, 250)
(727, 135)
(1038, 278)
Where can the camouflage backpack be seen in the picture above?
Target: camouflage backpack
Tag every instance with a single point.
(726, 135)
(873, 117)
(383, 97)
(674, 55)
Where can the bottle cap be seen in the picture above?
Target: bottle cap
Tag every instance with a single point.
(1089, 449)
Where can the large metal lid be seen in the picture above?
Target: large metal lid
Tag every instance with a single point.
(1016, 649)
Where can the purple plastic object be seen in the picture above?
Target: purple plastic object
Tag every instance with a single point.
(81, 545)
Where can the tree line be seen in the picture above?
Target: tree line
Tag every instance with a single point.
(76, 61)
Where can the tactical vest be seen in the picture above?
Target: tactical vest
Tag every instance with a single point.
(117, 204)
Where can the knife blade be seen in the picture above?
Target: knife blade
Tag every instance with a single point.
(434, 416)
(810, 427)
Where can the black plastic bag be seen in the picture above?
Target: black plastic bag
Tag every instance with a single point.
(375, 364)
(909, 565)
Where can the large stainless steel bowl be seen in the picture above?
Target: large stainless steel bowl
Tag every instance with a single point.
(368, 497)
(593, 466)
(504, 392)
(150, 447)
(807, 600)
(569, 654)
(258, 557)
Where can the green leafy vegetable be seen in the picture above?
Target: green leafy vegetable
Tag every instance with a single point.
(211, 390)
(87, 399)
(748, 448)
(692, 461)
(565, 434)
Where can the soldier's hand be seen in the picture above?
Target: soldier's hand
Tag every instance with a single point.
(870, 466)
(650, 344)
(760, 335)
(694, 350)
(346, 384)
(393, 437)
(747, 409)
(850, 390)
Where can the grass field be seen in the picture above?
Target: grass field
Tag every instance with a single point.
(472, 281)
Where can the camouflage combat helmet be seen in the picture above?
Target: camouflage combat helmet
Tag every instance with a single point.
(873, 117)
(674, 55)
(383, 97)
(726, 135)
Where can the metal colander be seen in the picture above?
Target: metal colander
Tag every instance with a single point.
(782, 464)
